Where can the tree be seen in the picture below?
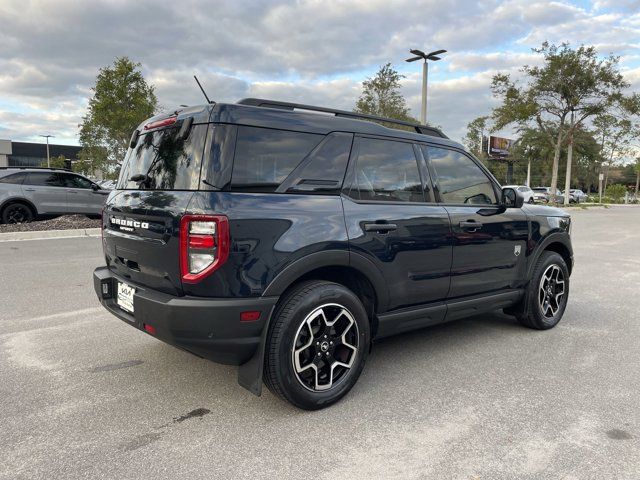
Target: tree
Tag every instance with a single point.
(381, 96)
(568, 81)
(121, 100)
(614, 133)
(474, 137)
(58, 162)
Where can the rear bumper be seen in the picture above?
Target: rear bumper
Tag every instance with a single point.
(209, 328)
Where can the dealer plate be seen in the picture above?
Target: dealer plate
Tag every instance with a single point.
(125, 297)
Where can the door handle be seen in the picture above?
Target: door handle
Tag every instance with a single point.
(30, 189)
(380, 227)
(470, 226)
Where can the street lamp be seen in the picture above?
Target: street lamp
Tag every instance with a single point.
(419, 54)
(48, 159)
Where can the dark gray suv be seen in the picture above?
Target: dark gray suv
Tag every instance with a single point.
(26, 193)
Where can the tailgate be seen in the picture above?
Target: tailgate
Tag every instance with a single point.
(141, 237)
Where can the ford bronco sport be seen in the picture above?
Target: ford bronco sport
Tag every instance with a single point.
(285, 238)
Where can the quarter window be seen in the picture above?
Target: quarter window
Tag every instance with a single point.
(386, 170)
(459, 179)
(265, 157)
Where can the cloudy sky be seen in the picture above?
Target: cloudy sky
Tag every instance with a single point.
(315, 51)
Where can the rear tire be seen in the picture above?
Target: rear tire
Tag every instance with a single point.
(317, 345)
(546, 295)
(17, 213)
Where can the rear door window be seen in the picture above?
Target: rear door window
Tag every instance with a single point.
(264, 157)
(168, 161)
(386, 171)
(43, 179)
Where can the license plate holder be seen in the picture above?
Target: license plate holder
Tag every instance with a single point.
(124, 297)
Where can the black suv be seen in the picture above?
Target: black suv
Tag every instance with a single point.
(285, 238)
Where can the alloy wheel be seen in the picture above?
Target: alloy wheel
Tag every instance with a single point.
(17, 214)
(551, 290)
(325, 347)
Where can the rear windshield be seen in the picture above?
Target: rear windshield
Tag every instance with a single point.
(540, 189)
(167, 161)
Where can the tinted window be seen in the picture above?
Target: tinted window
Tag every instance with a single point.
(323, 169)
(75, 181)
(386, 170)
(459, 179)
(44, 179)
(169, 161)
(265, 157)
(15, 178)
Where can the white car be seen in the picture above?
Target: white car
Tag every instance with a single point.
(525, 191)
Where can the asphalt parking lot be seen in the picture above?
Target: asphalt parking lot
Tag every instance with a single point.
(85, 396)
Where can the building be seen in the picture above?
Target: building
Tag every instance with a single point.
(26, 154)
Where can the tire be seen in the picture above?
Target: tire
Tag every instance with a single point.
(314, 376)
(531, 201)
(17, 213)
(537, 309)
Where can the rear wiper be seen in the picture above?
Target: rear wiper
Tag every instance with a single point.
(210, 184)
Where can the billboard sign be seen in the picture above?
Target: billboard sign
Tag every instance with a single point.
(500, 147)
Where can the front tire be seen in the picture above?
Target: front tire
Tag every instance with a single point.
(546, 295)
(317, 345)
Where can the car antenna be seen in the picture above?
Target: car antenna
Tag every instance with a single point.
(202, 90)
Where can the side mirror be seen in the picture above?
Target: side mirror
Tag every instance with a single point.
(511, 198)
(95, 187)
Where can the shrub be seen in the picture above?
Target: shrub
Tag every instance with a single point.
(616, 192)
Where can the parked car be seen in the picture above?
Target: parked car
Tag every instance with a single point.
(107, 184)
(29, 192)
(543, 195)
(526, 192)
(577, 196)
(265, 235)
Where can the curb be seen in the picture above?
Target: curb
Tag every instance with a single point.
(45, 234)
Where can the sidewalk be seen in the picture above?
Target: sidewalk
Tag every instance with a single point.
(44, 234)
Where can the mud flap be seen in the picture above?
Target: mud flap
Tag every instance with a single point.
(250, 373)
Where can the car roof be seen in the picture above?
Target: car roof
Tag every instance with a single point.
(304, 118)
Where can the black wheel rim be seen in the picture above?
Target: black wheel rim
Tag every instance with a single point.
(551, 291)
(18, 214)
(325, 347)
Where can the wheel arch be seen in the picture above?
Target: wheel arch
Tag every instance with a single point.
(340, 266)
(21, 200)
(558, 243)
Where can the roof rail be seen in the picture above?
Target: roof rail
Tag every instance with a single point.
(22, 167)
(423, 129)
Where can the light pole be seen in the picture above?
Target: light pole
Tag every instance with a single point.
(48, 159)
(419, 54)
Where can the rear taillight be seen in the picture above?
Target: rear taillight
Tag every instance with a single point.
(204, 245)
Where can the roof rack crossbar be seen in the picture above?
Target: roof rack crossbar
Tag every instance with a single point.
(423, 129)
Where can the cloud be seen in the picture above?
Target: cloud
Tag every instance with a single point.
(308, 51)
